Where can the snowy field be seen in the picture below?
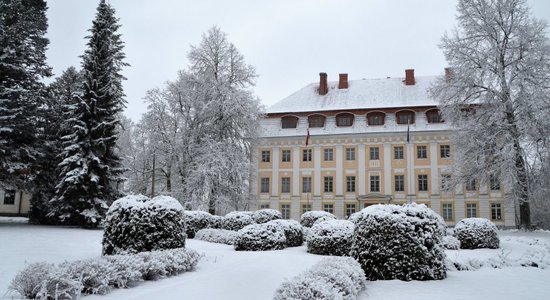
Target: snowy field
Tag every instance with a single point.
(227, 274)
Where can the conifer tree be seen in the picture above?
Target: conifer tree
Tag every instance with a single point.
(90, 168)
(23, 25)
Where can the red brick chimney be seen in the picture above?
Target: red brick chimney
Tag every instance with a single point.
(343, 82)
(448, 74)
(323, 85)
(409, 77)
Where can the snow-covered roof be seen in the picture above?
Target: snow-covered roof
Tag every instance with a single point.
(361, 94)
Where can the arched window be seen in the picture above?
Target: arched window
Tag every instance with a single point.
(376, 118)
(289, 122)
(344, 119)
(405, 117)
(316, 121)
(434, 116)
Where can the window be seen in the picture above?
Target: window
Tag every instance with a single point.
(471, 185)
(421, 152)
(9, 197)
(375, 118)
(405, 117)
(374, 153)
(434, 116)
(265, 185)
(306, 184)
(350, 210)
(447, 211)
(328, 208)
(286, 156)
(316, 121)
(398, 152)
(285, 211)
(375, 183)
(328, 184)
(266, 156)
(344, 120)
(285, 185)
(423, 183)
(306, 208)
(399, 183)
(496, 211)
(306, 155)
(494, 183)
(350, 153)
(264, 206)
(329, 154)
(289, 122)
(445, 151)
(350, 184)
(446, 182)
(471, 210)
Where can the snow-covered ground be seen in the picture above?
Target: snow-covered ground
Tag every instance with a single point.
(227, 274)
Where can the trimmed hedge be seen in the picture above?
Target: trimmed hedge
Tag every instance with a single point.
(331, 237)
(236, 220)
(220, 236)
(400, 242)
(310, 217)
(451, 243)
(196, 220)
(260, 237)
(135, 224)
(475, 233)
(293, 231)
(265, 215)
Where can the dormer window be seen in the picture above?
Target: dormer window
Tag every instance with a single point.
(375, 118)
(434, 116)
(289, 122)
(316, 121)
(405, 117)
(344, 119)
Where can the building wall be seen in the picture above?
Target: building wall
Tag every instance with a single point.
(362, 168)
(20, 206)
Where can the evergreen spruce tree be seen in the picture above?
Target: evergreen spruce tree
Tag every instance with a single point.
(23, 25)
(90, 168)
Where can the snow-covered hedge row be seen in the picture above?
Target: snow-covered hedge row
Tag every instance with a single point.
(332, 237)
(220, 236)
(266, 215)
(331, 278)
(293, 231)
(99, 275)
(236, 220)
(451, 243)
(260, 237)
(400, 242)
(310, 217)
(135, 224)
(196, 220)
(475, 233)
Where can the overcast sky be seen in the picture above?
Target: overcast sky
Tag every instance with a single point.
(288, 41)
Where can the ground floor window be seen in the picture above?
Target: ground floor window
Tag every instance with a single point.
(328, 208)
(471, 210)
(496, 211)
(447, 211)
(9, 197)
(285, 211)
(306, 208)
(264, 206)
(350, 209)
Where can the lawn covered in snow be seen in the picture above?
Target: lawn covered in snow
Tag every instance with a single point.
(224, 273)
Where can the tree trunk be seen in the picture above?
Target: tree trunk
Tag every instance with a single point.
(522, 191)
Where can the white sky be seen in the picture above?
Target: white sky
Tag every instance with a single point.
(288, 41)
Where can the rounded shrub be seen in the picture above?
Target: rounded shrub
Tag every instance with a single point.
(265, 215)
(310, 217)
(400, 242)
(475, 233)
(293, 231)
(260, 237)
(236, 220)
(134, 224)
(216, 221)
(331, 237)
(451, 243)
(196, 220)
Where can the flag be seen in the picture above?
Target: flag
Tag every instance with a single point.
(408, 133)
(307, 137)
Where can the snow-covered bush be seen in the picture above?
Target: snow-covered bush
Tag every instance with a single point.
(220, 236)
(237, 220)
(331, 237)
(451, 243)
(134, 224)
(260, 237)
(330, 278)
(265, 215)
(354, 217)
(474, 233)
(310, 217)
(400, 242)
(99, 275)
(196, 220)
(293, 231)
(216, 222)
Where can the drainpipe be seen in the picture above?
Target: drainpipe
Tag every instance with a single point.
(20, 202)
